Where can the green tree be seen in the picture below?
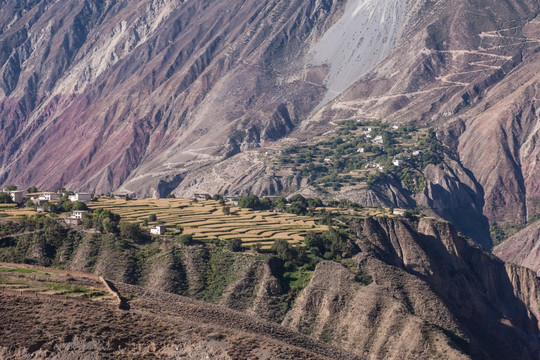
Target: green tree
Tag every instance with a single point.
(11, 187)
(49, 207)
(250, 202)
(87, 221)
(226, 210)
(131, 231)
(5, 198)
(152, 217)
(235, 245)
(29, 204)
(79, 205)
(32, 189)
(185, 239)
(284, 250)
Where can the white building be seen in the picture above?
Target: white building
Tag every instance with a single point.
(397, 162)
(395, 127)
(398, 211)
(201, 196)
(49, 196)
(158, 230)
(16, 195)
(78, 214)
(361, 150)
(416, 152)
(122, 196)
(80, 197)
(378, 139)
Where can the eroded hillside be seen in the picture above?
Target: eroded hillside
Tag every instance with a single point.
(391, 286)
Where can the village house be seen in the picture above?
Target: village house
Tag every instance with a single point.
(378, 139)
(158, 230)
(16, 195)
(398, 211)
(78, 214)
(75, 218)
(416, 152)
(397, 162)
(122, 196)
(80, 197)
(71, 221)
(361, 150)
(395, 127)
(201, 196)
(49, 196)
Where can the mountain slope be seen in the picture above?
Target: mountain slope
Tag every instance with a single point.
(155, 97)
(148, 89)
(397, 287)
(522, 248)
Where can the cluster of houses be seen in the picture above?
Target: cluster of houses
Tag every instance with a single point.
(20, 196)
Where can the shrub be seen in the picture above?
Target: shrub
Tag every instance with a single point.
(185, 239)
(79, 205)
(250, 202)
(5, 198)
(235, 245)
(152, 217)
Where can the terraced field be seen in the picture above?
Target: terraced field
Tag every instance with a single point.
(205, 220)
(45, 282)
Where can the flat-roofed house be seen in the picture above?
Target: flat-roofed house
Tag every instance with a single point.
(16, 195)
(49, 196)
(80, 197)
(158, 230)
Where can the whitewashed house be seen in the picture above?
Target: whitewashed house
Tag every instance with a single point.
(80, 197)
(16, 195)
(397, 162)
(361, 150)
(201, 196)
(158, 230)
(49, 196)
(78, 214)
(378, 139)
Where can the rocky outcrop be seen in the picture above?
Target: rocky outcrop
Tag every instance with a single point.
(522, 248)
(432, 292)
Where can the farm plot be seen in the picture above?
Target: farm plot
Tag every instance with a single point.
(44, 282)
(204, 220)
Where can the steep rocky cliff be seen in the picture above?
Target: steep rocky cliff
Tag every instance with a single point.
(432, 289)
(523, 248)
